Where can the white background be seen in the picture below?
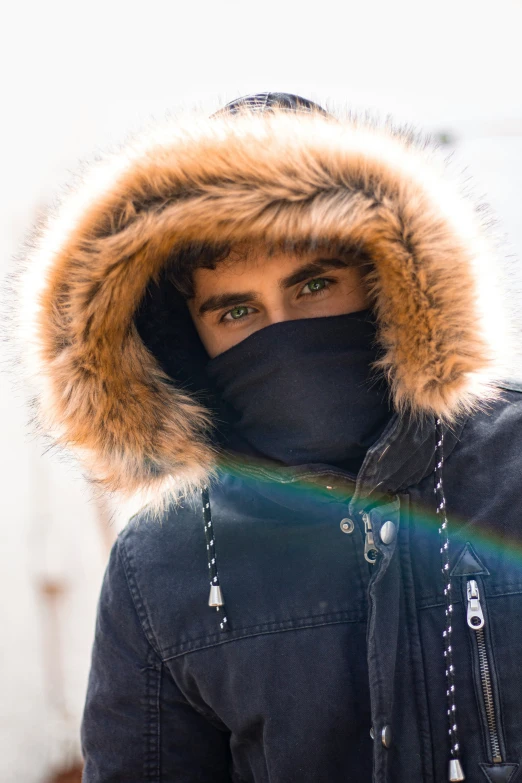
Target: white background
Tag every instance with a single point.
(75, 78)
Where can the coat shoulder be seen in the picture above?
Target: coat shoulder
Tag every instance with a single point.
(484, 469)
(498, 421)
(149, 535)
(165, 560)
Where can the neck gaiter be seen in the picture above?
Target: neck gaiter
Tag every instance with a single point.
(304, 391)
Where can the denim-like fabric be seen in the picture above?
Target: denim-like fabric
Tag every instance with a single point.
(321, 645)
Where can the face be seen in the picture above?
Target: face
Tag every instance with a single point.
(251, 290)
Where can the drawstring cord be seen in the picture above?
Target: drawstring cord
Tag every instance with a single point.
(455, 772)
(215, 598)
(455, 768)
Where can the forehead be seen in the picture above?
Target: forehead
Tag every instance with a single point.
(258, 261)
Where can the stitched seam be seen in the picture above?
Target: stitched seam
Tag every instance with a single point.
(260, 633)
(294, 623)
(512, 386)
(272, 627)
(489, 596)
(137, 600)
(152, 733)
(416, 651)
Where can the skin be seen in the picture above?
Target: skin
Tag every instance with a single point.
(251, 290)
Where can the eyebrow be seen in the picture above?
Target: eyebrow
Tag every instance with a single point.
(219, 301)
(316, 267)
(320, 265)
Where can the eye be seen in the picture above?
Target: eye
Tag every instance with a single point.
(316, 285)
(237, 313)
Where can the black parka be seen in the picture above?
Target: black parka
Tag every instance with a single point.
(319, 664)
(322, 647)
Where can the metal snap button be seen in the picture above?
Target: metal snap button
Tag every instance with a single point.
(347, 526)
(388, 532)
(386, 736)
(372, 733)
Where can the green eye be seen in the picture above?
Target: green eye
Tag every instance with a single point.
(238, 312)
(316, 285)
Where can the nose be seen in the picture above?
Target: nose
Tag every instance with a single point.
(281, 313)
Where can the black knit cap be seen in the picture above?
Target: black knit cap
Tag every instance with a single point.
(265, 101)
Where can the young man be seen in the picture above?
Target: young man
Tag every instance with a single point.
(292, 320)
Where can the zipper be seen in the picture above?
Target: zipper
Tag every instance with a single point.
(476, 621)
(370, 551)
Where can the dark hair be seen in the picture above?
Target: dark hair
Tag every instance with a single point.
(188, 257)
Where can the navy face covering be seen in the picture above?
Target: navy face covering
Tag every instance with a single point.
(304, 391)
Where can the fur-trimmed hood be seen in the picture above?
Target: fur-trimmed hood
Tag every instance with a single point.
(99, 391)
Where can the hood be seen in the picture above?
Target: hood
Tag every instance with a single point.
(99, 391)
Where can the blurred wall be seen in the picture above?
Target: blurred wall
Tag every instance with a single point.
(77, 77)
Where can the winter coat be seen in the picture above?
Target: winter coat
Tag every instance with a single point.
(362, 627)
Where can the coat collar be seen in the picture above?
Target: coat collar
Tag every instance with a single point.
(402, 456)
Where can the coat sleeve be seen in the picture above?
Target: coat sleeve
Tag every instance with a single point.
(137, 725)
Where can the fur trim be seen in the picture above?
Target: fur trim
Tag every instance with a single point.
(99, 391)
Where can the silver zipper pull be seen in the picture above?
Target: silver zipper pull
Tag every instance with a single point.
(456, 772)
(370, 552)
(475, 615)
